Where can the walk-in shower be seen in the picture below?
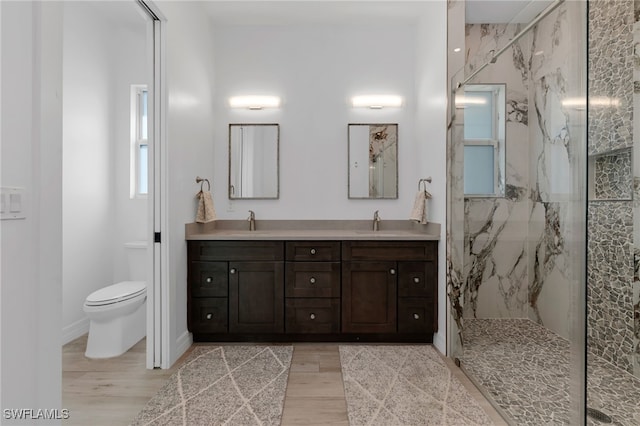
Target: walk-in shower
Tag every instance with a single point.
(541, 285)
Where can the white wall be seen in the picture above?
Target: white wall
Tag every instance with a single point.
(101, 60)
(315, 69)
(190, 74)
(430, 159)
(88, 213)
(31, 248)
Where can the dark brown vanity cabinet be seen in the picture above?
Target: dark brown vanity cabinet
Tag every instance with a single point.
(240, 280)
(389, 287)
(312, 287)
(312, 290)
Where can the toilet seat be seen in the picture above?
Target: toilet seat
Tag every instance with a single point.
(115, 293)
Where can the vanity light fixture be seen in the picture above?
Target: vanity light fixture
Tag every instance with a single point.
(376, 101)
(457, 49)
(254, 102)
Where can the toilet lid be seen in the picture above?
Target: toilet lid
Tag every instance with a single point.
(117, 292)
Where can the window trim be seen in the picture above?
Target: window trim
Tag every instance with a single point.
(499, 91)
(136, 141)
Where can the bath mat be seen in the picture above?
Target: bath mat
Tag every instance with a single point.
(241, 385)
(404, 385)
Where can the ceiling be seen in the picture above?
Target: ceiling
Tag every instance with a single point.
(503, 11)
(305, 12)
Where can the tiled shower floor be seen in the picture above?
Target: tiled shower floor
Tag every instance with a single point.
(526, 370)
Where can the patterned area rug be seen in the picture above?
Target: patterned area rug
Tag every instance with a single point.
(235, 385)
(404, 385)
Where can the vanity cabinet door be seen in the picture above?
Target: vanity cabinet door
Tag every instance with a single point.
(415, 315)
(417, 279)
(208, 279)
(256, 297)
(208, 315)
(313, 315)
(369, 297)
(312, 279)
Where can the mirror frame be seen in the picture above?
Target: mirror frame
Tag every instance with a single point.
(349, 196)
(277, 196)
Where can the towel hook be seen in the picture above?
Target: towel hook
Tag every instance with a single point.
(201, 181)
(424, 181)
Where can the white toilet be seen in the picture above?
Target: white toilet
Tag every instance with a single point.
(118, 313)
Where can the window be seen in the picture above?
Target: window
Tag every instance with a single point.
(484, 139)
(139, 141)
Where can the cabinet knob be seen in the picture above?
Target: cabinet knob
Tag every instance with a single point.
(232, 271)
(312, 316)
(416, 316)
(209, 279)
(313, 251)
(392, 271)
(416, 280)
(312, 280)
(209, 316)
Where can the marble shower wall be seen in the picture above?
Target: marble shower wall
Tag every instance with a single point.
(612, 301)
(517, 264)
(495, 254)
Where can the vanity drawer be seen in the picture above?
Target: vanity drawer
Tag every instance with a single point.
(236, 250)
(386, 250)
(415, 315)
(209, 279)
(312, 315)
(313, 251)
(417, 279)
(312, 279)
(209, 315)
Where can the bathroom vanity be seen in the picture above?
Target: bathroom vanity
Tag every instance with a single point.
(312, 281)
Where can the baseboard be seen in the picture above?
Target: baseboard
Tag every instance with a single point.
(183, 343)
(73, 331)
(440, 342)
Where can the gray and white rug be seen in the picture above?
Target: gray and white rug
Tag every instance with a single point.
(404, 385)
(231, 385)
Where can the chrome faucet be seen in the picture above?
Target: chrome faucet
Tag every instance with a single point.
(376, 221)
(252, 220)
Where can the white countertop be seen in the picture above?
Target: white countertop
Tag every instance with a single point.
(391, 230)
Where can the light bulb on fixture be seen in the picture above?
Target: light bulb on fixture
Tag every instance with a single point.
(254, 102)
(376, 101)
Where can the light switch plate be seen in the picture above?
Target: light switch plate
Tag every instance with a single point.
(12, 201)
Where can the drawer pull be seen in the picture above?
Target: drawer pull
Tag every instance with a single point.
(209, 279)
(313, 251)
(209, 316)
(312, 316)
(416, 316)
(233, 270)
(392, 271)
(416, 280)
(312, 280)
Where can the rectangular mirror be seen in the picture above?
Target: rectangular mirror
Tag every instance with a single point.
(484, 108)
(373, 161)
(253, 161)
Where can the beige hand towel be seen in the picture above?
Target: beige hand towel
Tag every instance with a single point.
(419, 211)
(206, 211)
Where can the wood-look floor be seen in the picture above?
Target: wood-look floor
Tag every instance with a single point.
(113, 391)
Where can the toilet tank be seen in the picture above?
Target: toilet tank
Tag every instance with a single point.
(137, 259)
